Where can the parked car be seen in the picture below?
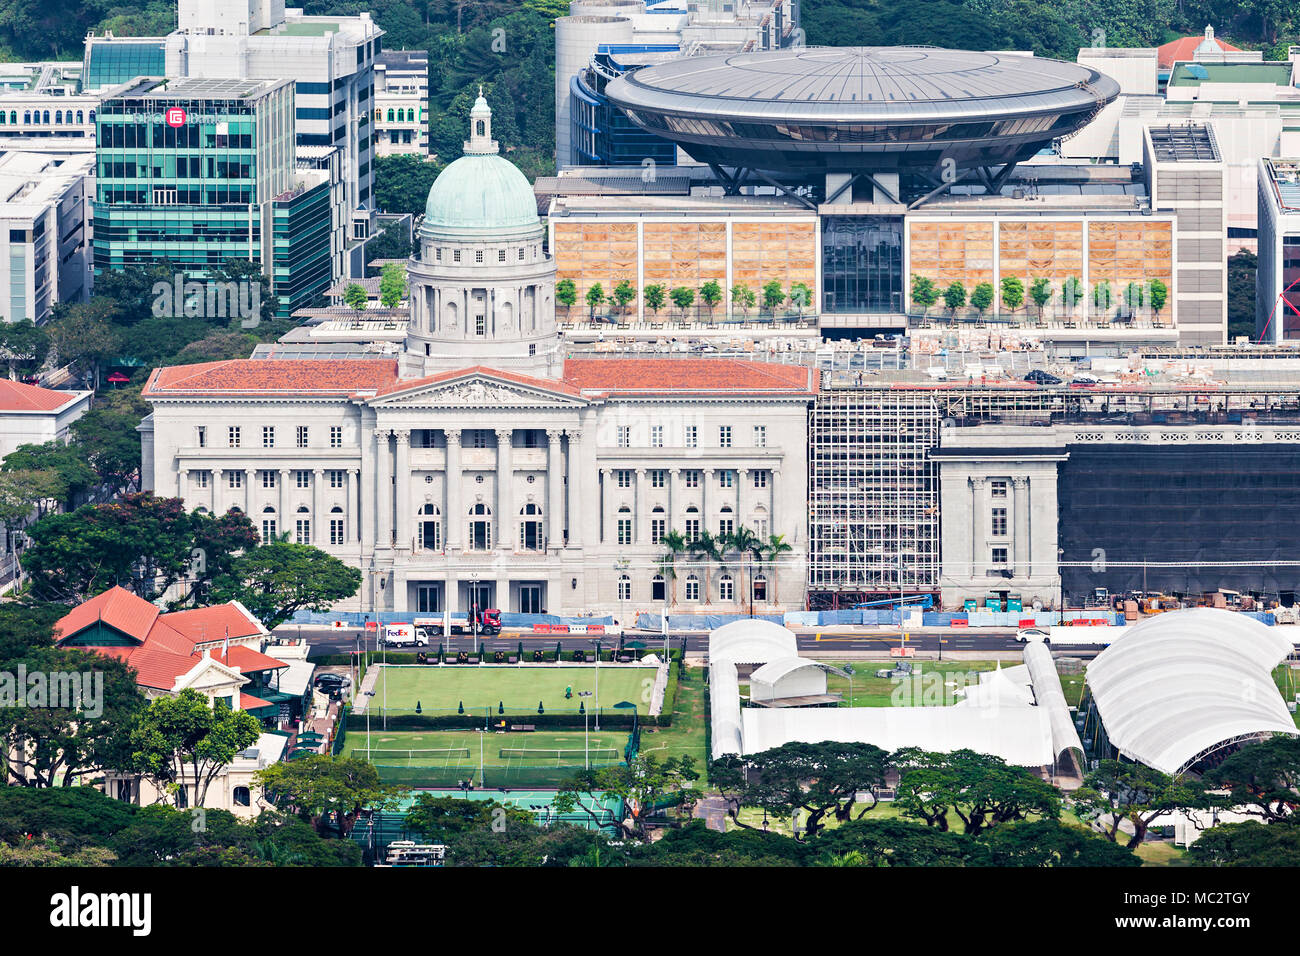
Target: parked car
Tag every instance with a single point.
(1040, 377)
(332, 685)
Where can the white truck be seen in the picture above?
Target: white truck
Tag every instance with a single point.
(404, 635)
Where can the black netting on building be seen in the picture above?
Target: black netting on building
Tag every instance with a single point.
(1203, 505)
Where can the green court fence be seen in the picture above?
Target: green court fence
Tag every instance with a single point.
(488, 777)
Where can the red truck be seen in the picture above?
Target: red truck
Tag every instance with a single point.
(461, 623)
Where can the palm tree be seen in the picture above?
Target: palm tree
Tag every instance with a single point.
(706, 548)
(772, 549)
(674, 545)
(747, 546)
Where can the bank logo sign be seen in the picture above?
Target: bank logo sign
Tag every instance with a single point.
(175, 117)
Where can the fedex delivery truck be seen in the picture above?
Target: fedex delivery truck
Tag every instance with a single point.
(404, 635)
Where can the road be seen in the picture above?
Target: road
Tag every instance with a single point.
(825, 643)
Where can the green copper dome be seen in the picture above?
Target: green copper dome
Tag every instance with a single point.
(481, 194)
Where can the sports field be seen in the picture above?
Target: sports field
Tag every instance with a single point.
(516, 690)
(435, 748)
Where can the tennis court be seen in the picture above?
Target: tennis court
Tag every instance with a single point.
(516, 690)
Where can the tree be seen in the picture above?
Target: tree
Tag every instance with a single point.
(817, 778)
(982, 297)
(403, 181)
(742, 297)
(1159, 293)
(1013, 293)
(25, 491)
(23, 346)
(1042, 843)
(954, 297)
(800, 296)
(982, 790)
(654, 296)
(674, 546)
(706, 548)
(892, 843)
(1262, 779)
(682, 298)
(140, 542)
(1118, 791)
(76, 476)
(108, 439)
(1248, 844)
(773, 548)
(748, 547)
(185, 734)
(710, 295)
(280, 578)
(328, 792)
(1102, 296)
(1071, 294)
(1133, 297)
(924, 292)
(595, 296)
(83, 333)
(641, 783)
(566, 294)
(392, 285)
(1040, 291)
(355, 297)
(624, 294)
(773, 295)
(444, 819)
(59, 741)
(218, 541)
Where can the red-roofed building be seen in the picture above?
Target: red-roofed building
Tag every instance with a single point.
(216, 651)
(31, 415)
(482, 467)
(1186, 48)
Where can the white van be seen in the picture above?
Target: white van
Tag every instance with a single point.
(404, 635)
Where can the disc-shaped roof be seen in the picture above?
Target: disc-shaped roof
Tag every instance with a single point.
(1177, 686)
(862, 84)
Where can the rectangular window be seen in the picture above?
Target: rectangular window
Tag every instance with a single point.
(336, 436)
(268, 530)
(656, 530)
(303, 478)
(302, 436)
(232, 436)
(479, 438)
(1000, 557)
(998, 489)
(235, 479)
(624, 530)
(726, 478)
(726, 526)
(201, 479)
(692, 436)
(336, 530)
(624, 436)
(692, 529)
(760, 479)
(999, 529)
(201, 435)
(268, 436)
(658, 478)
(268, 479)
(760, 436)
(624, 477)
(303, 531)
(656, 436)
(692, 478)
(338, 478)
(724, 436)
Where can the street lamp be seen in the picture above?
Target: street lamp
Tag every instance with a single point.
(620, 568)
(596, 641)
(368, 693)
(848, 669)
(473, 607)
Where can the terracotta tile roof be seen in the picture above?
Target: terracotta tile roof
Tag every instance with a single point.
(271, 377)
(1168, 54)
(118, 608)
(529, 381)
(249, 702)
(689, 376)
(167, 647)
(20, 397)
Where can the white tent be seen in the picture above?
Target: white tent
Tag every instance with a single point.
(751, 642)
(789, 677)
(1182, 685)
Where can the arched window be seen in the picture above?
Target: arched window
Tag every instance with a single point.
(58, 117)
(390, 116)
(182, 797)
(91, 116)
(692, 588)
(624, 525)
(3, 118)
(81, 116)
(240, 797)
(657, 591)
(27, 116)
(530, 529)
(429, 528)
(269, 529)
(759, 586)
(480, 128)
(726, 588)
(480, 528)
(624, 588)
(45, 116)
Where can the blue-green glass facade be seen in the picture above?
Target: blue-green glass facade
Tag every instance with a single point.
(209, 188)
(112, 61)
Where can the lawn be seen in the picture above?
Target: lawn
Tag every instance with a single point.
(686, 736)
(478, 689)
(872, 691)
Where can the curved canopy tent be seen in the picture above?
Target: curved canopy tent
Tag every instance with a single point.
(1180, 686)
(751, 641)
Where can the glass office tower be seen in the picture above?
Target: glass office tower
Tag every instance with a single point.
(201, 171)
